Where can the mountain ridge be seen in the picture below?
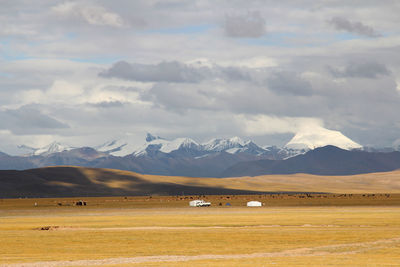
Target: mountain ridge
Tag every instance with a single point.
(221, 157)
(328, 160)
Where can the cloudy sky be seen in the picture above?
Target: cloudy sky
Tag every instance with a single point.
(85, 72)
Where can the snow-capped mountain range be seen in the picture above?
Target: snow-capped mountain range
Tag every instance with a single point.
(299, 144)
(303, 141)
(153, 143)
(215, 158)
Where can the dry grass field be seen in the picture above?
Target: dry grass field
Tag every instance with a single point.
(351, 221)
(289, 230)
(381, 182)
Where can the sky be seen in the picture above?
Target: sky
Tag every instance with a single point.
(86, 72)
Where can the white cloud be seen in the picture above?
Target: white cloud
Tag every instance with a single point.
(65, 89)
(252, 63)
(16, 30)
(52, 52)
(256, 125)
(72, 93)
(64, 83)
(92, 14)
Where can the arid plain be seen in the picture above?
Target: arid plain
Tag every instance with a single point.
(347, 227)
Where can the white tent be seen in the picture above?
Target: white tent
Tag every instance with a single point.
(254, 204)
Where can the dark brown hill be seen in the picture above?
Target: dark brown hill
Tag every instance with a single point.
(78, 181)
(328, 160)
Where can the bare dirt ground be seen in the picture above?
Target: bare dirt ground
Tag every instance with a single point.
(339, 249)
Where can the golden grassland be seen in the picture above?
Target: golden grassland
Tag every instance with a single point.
(63, 181)
(166, 232)
(381, 182)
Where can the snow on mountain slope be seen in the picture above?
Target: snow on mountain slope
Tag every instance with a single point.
(232, 145)
(186, 147)
(178, 144)
(46, 150)
(125, 146)
(233, 150)
(167, 146)
(125, 150)
(299, 144)
(111, 146)
(155, 144)
(218, 145)
(252, 148)
(319, 137)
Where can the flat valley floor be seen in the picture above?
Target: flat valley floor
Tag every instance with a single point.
(165, 231)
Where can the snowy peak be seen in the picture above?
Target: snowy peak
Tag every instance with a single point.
(46, 150)
(52, 148)
(233, 145)
(252, 148)
(153, 145)
(218, 145)
(179, 143)
(126, 146)
(319, 137)
(236, 140)
(165, 146)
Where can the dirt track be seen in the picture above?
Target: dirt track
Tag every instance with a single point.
(351, 248)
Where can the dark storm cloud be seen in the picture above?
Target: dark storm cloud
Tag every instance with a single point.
(289, 83)
(251, 25)
(367, 69)
(356, 27)
(27, 120)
